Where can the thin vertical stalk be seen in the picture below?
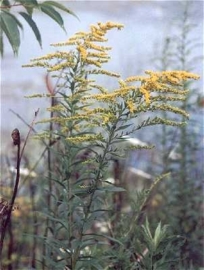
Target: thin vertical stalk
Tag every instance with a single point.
(16, 141)
(35, 227)
(10, 245)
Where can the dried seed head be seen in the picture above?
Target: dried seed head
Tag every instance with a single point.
(16, 136)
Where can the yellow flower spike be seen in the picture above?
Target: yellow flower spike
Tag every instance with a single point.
(190, 75)
(97, 37)
(93, 46)
(84, 138)
(130, 105)
(56, 108)
(104, 72)
(110, 25)
(38, 64)
(166, 107)
(54, 55)
(43, 135)
(82, 52)
(93, 62)
(99, 55)
(135, 78)
(39, 96)
(146, 94)
(99, 87)
(94, 39)
(77, 117)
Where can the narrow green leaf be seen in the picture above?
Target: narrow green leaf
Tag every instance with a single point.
(147, 231)
(123, 127)
(52, 13)
(157, 236)
(33, 25)
(60, 6)
(15, 19)
(9, 26)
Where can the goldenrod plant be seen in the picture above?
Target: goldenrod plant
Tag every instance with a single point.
(90, 120)
(86, 125)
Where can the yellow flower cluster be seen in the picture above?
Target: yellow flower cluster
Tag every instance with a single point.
(164, 81)
(90, 53)
(111, 97)
(173, 77)
(84, 138)
(87, 108)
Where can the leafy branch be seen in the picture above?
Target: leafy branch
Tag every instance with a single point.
(11, 26)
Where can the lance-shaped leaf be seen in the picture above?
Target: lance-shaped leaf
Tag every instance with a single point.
(52, 13)
(33, 25)
(9, 25)
(59, 6)
(19, 24)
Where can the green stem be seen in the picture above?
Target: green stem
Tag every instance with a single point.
(97, 181)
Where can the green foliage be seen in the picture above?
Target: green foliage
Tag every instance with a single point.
(159, 246)
(183, 196)
(11, 26)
